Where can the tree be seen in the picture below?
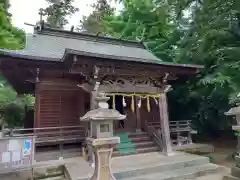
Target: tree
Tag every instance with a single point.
(11, 106)
(10, 37)
(197, 32)
(94, 22)
(58, 11)
(211, 38)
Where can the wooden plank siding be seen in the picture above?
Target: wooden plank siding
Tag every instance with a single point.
(151, 118)
(60, 105)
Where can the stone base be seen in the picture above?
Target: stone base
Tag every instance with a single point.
(237, 159)
(138, 130)
(230, 178)
(191, 148)
(235, 171)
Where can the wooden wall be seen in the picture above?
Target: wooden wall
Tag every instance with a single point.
(62, 103)
(59, 104)
(152, 117)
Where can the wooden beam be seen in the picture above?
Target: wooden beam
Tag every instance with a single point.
(139, 66)
(143, 89)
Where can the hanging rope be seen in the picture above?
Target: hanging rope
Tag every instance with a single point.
(114, 102)
(142, 95)
(132, 95)
(133, 104)
(148, 105)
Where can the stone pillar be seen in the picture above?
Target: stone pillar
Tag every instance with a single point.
(102, 149)
(93, 105)
(164, 119)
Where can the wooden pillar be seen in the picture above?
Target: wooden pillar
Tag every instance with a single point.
(36, 107)
(164, 120)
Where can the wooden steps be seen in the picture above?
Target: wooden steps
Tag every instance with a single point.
(141, 142)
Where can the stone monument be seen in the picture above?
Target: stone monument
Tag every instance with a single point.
(101, 138)
(235, 171)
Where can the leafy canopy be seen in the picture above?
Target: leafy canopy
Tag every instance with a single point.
(10, 36)
(202, 32)
(58, 11)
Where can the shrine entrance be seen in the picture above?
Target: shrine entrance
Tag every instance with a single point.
(123, 105)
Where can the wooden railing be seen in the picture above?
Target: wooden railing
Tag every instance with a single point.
(181, 132)
(155, 134)
(51, 135)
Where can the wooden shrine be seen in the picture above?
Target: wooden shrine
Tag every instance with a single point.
(65, 69)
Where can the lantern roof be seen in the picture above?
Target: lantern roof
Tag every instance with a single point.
(102, 112)
(233, 111)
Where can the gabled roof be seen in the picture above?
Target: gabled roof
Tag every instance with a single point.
(48, 48)
(52, 44)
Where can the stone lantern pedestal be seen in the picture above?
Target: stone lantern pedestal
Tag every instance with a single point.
(101, 140)
(102, 149)
(235, 171)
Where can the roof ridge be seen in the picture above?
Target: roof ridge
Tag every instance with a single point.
(41, 29)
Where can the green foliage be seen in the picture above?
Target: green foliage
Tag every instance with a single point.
(14, 114)
(212, 39)
(196, 32)
(11, 106)
(57, 12)
(10, 37)
(93, 23)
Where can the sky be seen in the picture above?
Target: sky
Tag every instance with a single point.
(26, 11)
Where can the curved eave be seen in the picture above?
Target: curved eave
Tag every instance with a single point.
(26, 56)
(68, 52)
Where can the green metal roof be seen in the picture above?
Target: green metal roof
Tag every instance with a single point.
(53, 45)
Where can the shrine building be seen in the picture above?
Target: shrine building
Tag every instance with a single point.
(64, 69)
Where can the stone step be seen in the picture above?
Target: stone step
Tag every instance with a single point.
(55, 178)
(235, 171)
(214, 176)
(139, 150)
(140, 165)
(180, 174)
(161, 167)
(229, 177)
(139, 139)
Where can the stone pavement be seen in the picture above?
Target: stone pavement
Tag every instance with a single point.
(215, 176)
(135, 167)
(148, 166)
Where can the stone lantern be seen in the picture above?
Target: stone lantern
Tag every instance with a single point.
(101, 138)
(235, 111)
(235, 171)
